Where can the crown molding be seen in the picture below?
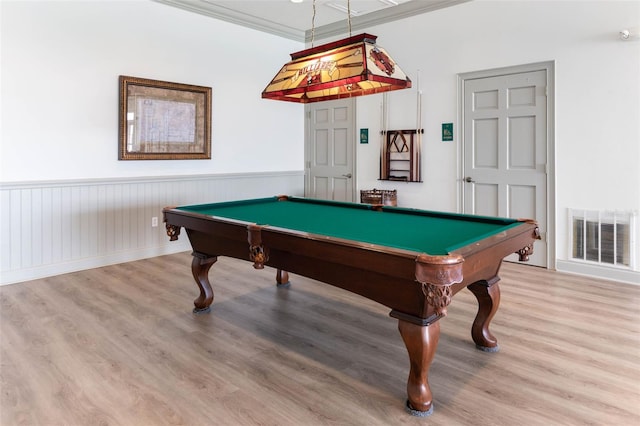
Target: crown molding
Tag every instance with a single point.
(226, 14)
(340, 28)
(364, 22)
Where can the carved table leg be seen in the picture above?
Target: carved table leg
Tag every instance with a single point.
(200, 266)
(421, 343)
(282, 278)
(488, 295)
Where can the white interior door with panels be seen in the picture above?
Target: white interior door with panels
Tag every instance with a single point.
(330, 150)
(505, 152)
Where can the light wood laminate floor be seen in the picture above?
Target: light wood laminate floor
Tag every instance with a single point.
(119, 345)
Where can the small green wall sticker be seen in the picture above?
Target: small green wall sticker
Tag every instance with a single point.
(364, 135)
(447, 132)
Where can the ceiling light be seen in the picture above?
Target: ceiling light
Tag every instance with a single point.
(354, 66)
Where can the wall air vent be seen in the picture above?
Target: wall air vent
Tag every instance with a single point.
(603, 237)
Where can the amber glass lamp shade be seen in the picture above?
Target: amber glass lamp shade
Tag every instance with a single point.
(351, 67)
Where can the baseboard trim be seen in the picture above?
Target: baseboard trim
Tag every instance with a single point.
(28, 274)
(597, 271)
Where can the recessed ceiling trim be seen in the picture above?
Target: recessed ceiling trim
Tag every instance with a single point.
(366, 21)
(336, 29)
(343, 9)
(229, 15)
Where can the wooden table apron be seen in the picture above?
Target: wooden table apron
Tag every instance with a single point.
(417, 287)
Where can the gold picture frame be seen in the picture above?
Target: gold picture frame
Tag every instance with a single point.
(160, 120)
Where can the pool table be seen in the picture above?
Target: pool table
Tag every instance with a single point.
(412, 261)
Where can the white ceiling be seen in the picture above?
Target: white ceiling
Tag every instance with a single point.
(295, 20)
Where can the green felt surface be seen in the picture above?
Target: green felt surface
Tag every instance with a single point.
(417, 230)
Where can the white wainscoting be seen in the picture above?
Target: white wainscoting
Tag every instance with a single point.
(51, 228)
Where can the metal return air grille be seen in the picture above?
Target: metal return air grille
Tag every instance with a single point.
(603, 237)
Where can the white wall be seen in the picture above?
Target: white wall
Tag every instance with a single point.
(597, 110)
(60, 66)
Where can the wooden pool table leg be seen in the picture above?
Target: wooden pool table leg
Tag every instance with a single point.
(421, 342)
(488, 295)
(282, 278)
(200, 266)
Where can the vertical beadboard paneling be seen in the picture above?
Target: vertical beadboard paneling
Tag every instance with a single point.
(66, 222)
(109, 220)
(130, 220)
(48, 228)
(119, 212)
(85, 231)
(56, 225)
(101, 217)
(5, 230)
(36, 226)
(74, 217)
(15, 228)
(26, 232)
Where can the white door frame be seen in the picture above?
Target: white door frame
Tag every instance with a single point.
(549, 68)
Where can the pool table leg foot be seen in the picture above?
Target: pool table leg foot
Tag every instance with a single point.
(488, 349)
(282, 279)
(488, 295)
(417, 413)
(202, 311)
(200, 266)
(421, 342)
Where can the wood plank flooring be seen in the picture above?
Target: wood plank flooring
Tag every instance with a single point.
(119, 345)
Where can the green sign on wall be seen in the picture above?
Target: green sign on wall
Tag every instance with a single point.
(364, 135)
(447, 132)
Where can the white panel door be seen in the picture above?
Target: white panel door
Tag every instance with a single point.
(505, 149)
(330, 150)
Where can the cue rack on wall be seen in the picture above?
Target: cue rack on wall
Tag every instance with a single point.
(400, 153)
(400, 156)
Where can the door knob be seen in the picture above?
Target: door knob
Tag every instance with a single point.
(348, 175)
(468, 179)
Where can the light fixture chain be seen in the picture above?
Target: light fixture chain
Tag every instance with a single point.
(313, 23)
(349, 15)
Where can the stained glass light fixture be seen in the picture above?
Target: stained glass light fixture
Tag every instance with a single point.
(354, 66)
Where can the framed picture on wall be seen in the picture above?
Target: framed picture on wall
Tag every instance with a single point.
(160, 120)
